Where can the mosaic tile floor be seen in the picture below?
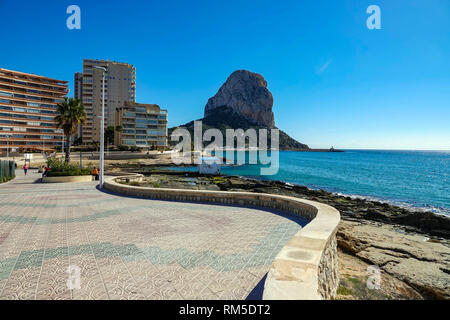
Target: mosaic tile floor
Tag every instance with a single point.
(129, 248)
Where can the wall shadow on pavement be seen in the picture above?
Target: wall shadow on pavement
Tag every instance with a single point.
(257, 292)
(285, 214)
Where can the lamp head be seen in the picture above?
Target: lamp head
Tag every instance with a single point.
(100, 68)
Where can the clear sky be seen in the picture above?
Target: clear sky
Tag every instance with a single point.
(334, 81)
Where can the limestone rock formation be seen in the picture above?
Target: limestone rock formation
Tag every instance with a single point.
(418, 261)
(247, 95)
(243, 102)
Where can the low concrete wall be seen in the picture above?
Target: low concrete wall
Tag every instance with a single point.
(67, 179)
(305, 268)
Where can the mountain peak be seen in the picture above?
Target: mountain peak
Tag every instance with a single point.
(243, 102)
(245, 93)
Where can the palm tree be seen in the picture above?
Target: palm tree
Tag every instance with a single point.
(109, 135)
(71, 114)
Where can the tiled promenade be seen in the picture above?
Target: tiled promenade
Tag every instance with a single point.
(129, 248)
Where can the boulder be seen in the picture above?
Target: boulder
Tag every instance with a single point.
(410, 257)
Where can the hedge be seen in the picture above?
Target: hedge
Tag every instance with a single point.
(59, 168)
(79, 172)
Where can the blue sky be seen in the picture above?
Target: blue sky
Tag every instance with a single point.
(334, 81)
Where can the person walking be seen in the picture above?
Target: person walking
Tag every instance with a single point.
(25, 169)
(45, 171)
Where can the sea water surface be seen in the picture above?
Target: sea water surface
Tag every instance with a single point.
(415, 179)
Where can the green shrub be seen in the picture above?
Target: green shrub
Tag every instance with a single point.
(156, 184)
(134, 149)
(129, 148)
(59, 168)
(83, 149)
(123, 148)
(344, 291)
(59, 165)
(5, 179)
(77, 172)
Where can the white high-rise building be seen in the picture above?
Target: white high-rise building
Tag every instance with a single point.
(120, 87)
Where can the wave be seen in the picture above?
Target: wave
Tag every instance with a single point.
(403, 205)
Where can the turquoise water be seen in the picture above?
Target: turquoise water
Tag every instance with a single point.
(418, 179)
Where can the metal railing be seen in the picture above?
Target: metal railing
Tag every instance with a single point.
(7, 170)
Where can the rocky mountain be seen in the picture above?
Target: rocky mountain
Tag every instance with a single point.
(224, 118)
(244, 102)
(245, 93)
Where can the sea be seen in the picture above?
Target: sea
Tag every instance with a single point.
(411, 179)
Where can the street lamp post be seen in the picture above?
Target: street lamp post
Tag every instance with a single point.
(102, 128)
(81, 145)
(7, 147)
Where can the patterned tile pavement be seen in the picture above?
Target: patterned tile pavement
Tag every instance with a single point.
(130, 248)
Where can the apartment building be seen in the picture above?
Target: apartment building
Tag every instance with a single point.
(78, 85)
(28, 105)
(78, 94)
(143, 125)
(120, 87)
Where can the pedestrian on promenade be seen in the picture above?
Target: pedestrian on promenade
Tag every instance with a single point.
(45, 171)
(25, 169)
(95, 173)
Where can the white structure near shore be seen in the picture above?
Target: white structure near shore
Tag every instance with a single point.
(209, 165)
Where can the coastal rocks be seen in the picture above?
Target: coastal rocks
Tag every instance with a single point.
(234, 184)
(434, 224)
(246, 94)
(424, 265)
(353, 283)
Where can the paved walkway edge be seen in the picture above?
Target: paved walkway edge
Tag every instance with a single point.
(306, 268)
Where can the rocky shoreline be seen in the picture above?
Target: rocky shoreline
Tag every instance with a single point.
(411, 248)
(351, 208)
